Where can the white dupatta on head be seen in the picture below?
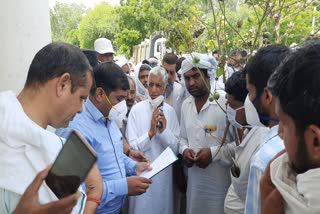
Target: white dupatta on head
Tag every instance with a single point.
(203, 61)
(301, 193)
(141, 91)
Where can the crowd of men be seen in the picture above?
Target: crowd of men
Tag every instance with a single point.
(249, 145)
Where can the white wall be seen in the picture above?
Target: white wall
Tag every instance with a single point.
(25, 29)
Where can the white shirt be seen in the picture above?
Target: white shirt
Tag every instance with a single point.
(300, 192)
(159, 196)
(176, 98)
(236, 196)
(25, 150)
(207, 187)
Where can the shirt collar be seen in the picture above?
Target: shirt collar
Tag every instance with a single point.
(206, 104)
(273, 132)
(94, 111)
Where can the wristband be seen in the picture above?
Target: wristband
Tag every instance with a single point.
(96, 200)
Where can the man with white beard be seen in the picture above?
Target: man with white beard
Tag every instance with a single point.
(294, 184)
(152, 127)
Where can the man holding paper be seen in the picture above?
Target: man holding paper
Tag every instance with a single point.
(152, 127)
(104, 108)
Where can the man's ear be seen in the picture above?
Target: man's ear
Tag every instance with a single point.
(99, 94)
(312, 139)
(63, 84)
(266, 96)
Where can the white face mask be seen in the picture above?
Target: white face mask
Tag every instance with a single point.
(252, 115)
(118, 113)
(231, 115)
(156, 102)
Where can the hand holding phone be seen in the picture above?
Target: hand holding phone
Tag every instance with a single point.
(158, 121)
(71, 166)
(159, 124)
(29, 202)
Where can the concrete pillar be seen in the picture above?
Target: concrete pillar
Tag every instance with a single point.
(25, 29)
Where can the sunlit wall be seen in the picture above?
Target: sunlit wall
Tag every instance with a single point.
(25, 28)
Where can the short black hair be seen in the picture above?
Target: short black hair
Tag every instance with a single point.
(260, 66)
(170, 58)
(56, 59)
(215, 52)
(92, 56)
(110, 77)
(145, 61)
(178, 63)
(236, 86)
(296, 84)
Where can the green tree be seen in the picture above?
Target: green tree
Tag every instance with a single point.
(125, 40)
(73, 37)
(102, 21)
(140, 15)
(182, 25)
(255, 23)
(65, 18)
(189, 25)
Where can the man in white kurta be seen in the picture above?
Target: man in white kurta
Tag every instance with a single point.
(140, 134)
(174, 94)
(247, 143)
(176, 98)
(202, 129)
(48, 98)
(236, 196)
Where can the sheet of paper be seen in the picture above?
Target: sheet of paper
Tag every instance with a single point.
(166, 158)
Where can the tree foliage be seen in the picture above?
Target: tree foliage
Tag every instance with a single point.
(65, 18)
(125, 40)
(189, 25)
(183, 25)
(140, 15)
(102, 21)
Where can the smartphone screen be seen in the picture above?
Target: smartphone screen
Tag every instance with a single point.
(71, 167)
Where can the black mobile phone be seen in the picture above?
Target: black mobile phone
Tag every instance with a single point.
(71, 166)
(159, 124)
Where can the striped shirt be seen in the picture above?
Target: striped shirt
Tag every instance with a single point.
(268, 149)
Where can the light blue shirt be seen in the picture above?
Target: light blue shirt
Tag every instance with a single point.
(106, 139)
(271, 146)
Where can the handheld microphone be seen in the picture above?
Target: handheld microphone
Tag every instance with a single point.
(159, 124)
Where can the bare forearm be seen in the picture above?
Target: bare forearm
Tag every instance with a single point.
(126, 146)
(94, 189)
